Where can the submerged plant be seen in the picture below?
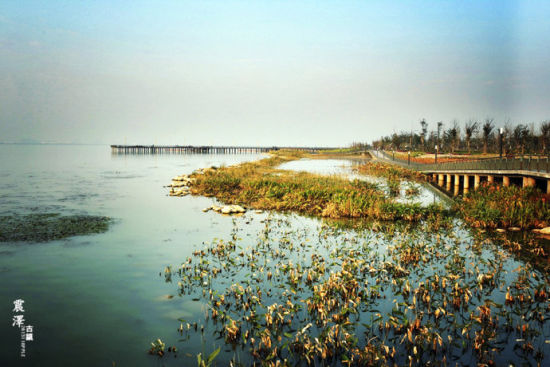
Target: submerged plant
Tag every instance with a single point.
(49, 226)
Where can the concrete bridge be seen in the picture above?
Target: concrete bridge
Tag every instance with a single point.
(460, 177)
(204, 149)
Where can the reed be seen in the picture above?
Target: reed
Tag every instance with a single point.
(492, 206)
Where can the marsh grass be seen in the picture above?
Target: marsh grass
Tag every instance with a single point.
(390, 172)
(492, 206)
(489, 206)
(262, 186)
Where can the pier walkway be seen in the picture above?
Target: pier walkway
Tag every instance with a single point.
(459, 177)
(207, 149)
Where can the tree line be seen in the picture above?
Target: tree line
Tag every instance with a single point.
(471, 136)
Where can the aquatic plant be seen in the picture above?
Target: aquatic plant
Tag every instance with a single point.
(412, 190)
(157, 347)
(340, 297)
(49, 226)
(209, 360)
(394, 186)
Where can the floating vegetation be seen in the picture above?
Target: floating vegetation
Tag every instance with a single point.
(261, 186)
(49, 226)
(492, 206)
(313, 294)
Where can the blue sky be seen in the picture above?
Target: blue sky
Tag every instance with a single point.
(266, 72)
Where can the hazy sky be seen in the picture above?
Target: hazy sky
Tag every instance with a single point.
(266, 72)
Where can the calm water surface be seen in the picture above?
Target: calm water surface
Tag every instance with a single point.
(94, 300)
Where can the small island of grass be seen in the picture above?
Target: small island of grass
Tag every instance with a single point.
(261, 185)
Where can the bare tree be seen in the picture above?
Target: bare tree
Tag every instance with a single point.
(521, 139)
(488, 127)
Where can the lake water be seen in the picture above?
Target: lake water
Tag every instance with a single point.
(100, 300)
(94, 300)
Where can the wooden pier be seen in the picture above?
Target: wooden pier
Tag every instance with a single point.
(190, 149)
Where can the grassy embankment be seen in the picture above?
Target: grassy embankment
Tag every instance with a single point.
(262, 186)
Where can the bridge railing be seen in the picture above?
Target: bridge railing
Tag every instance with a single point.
(525, 163)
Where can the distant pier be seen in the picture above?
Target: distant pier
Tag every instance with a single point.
(190, 149)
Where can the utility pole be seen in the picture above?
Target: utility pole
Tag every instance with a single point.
(500, 133)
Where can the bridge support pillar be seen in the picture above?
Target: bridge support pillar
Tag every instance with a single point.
(548, 186)
(528, 181)
(490, 179)
(456, 191)
(434, 177)
(476, 181)
(448, 183)
(505, 181)
(466, 184)
(440, 180)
